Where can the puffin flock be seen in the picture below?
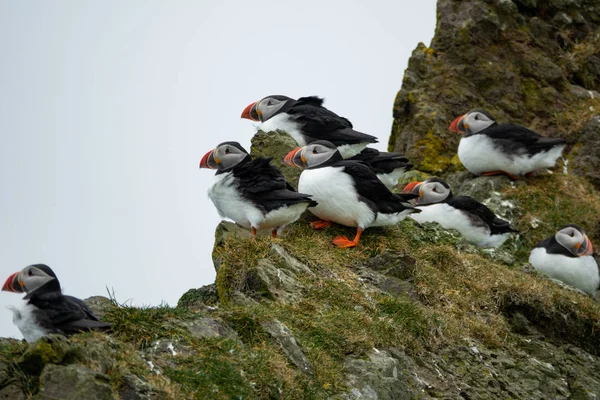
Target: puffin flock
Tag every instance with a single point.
(344, 182)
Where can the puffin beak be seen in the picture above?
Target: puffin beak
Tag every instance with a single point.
(209, 161)
(458, 125)
(295, 158)
(13, 284)
(250, 112)
(585, 248)
(413, 187)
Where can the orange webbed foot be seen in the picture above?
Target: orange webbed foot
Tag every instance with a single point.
(274, 233)
(320, 224)
(343, 242)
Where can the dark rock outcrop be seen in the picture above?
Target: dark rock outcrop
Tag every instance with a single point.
(533, 63)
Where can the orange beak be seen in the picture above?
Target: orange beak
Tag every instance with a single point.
(294, 157)
(454, 126)
(412, 187)
(12, 284)
(247, 113)
(208, 161)
(585, 248)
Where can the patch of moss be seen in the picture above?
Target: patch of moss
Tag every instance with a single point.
(431, 151)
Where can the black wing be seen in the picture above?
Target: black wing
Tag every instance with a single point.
(515, 137)
(259, 175)
(480, 211)
(65, 314)
(372, 191)
(382, 162)
(264, 185)
(319, 123)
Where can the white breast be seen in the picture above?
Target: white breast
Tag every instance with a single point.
(24, 319)
(479, 154)
(338, 200)
(451, 218)
(224, 195)
(282, 216)
(580, 272)
(283, 122)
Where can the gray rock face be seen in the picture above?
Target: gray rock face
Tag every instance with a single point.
(12, 392)
(517, 59)
(73, 382)
(474, 372)
(134, 388)
(209, 328)
(270, 281)
(200, 298)
(289, 345)
(98, 305)
(378, 378)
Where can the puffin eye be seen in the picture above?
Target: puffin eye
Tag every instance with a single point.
(315, 151)
(227, 151)
(30, 273)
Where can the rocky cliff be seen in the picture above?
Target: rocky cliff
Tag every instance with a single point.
(414, 311)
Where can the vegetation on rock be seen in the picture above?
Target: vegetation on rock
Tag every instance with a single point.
(414, 311)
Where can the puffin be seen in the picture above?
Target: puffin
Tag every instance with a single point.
(252, 193)
(45, 310)
(488, 148)
(306, 120)
(567, 256)
(477, 223)
(347, 192)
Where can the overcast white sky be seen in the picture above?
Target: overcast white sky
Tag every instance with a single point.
(107, 107)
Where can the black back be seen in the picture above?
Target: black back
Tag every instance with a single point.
(265, 186)
(62, 314)
(382, 162)
(481, 213)
(553, 247)
(319, 123)
(515, 139)
(371, 191)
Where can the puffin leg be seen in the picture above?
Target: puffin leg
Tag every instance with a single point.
(492, 173)
(320, 224)
(274, 233)
(253, 232)
(343, 242)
